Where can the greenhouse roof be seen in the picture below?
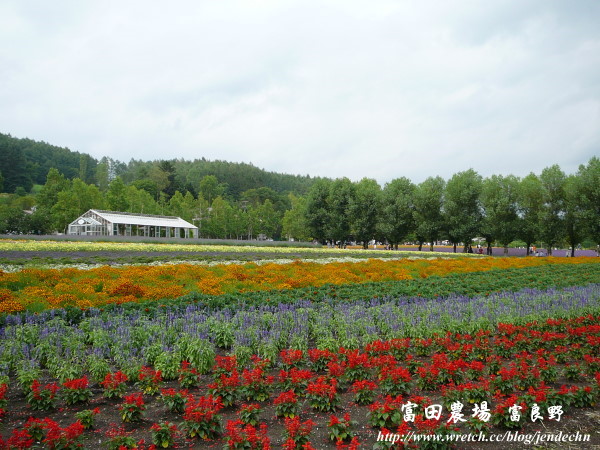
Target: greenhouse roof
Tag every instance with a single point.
(143, 219)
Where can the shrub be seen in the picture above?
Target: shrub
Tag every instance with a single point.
(133, 408)
(114, 385)
(76, 391)
(163, 434)
(201, 419)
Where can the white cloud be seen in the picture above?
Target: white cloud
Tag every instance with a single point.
(333, 88)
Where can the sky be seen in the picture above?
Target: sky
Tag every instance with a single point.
(378, 89)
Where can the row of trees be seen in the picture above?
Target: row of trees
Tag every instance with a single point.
(60, 201)
(553, 208)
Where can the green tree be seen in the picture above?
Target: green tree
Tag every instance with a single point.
(500, 199)
(397, 217)
(189, 208)
(269, 222)
(140, 201)
(251, 220)
(176, 205)
(75, 201)
(238, 222)
(552, 218)
(210, 188)
(147, 185)
(294, 220)
(183, 206)
(364, 208)
(201, 215)
(317, 210)
(341, 196)
(48, 196)
(531, 193)
(116, 196)
(21, 200)
(103, 174)
(258, 196)
(12, 220)
(168, 168)
(574, 216)
(462, 207)
(429, 218)
(216, 226)
(14, 168)
(589, 195)
(160, 178)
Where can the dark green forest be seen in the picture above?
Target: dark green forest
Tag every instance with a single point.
(46, 187)
(25, 163)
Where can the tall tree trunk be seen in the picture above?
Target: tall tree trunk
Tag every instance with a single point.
(506, 250)
(420, 245)
(455, 247)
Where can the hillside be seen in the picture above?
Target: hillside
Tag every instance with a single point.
(25, 162)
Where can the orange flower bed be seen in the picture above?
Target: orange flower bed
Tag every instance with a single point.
(54, 288)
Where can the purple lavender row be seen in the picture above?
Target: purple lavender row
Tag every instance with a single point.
(126, 340)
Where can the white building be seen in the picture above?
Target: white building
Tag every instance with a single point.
(96, 222)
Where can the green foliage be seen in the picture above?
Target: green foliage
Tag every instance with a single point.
(428, 203)
(116, 198)
(589, 195)
(120, 442)
(530, 206)
(37, 158)
(87, 417)
(240, 201)
(462, 207)
(13, 162)
(198, 352)
(210, 188)
(552, 221)
(317, 210)
(168, 364)
(163, 434)
(341, 195)
(397, 219)
(294, 220)
(174, 400)
(365, 207)
(249, 414)
(501, 205)
(73, 394)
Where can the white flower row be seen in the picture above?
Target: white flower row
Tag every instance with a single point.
(10, 268)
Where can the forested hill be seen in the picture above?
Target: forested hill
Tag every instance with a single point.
(25, 162)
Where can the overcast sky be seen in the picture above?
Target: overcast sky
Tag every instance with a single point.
(377, 89)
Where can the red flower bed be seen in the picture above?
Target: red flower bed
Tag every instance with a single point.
(532, 377)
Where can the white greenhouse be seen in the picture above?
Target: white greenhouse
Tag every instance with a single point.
(97, 222)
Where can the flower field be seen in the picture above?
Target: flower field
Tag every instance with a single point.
(38, 289)
(300, 355)
(90, 246)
